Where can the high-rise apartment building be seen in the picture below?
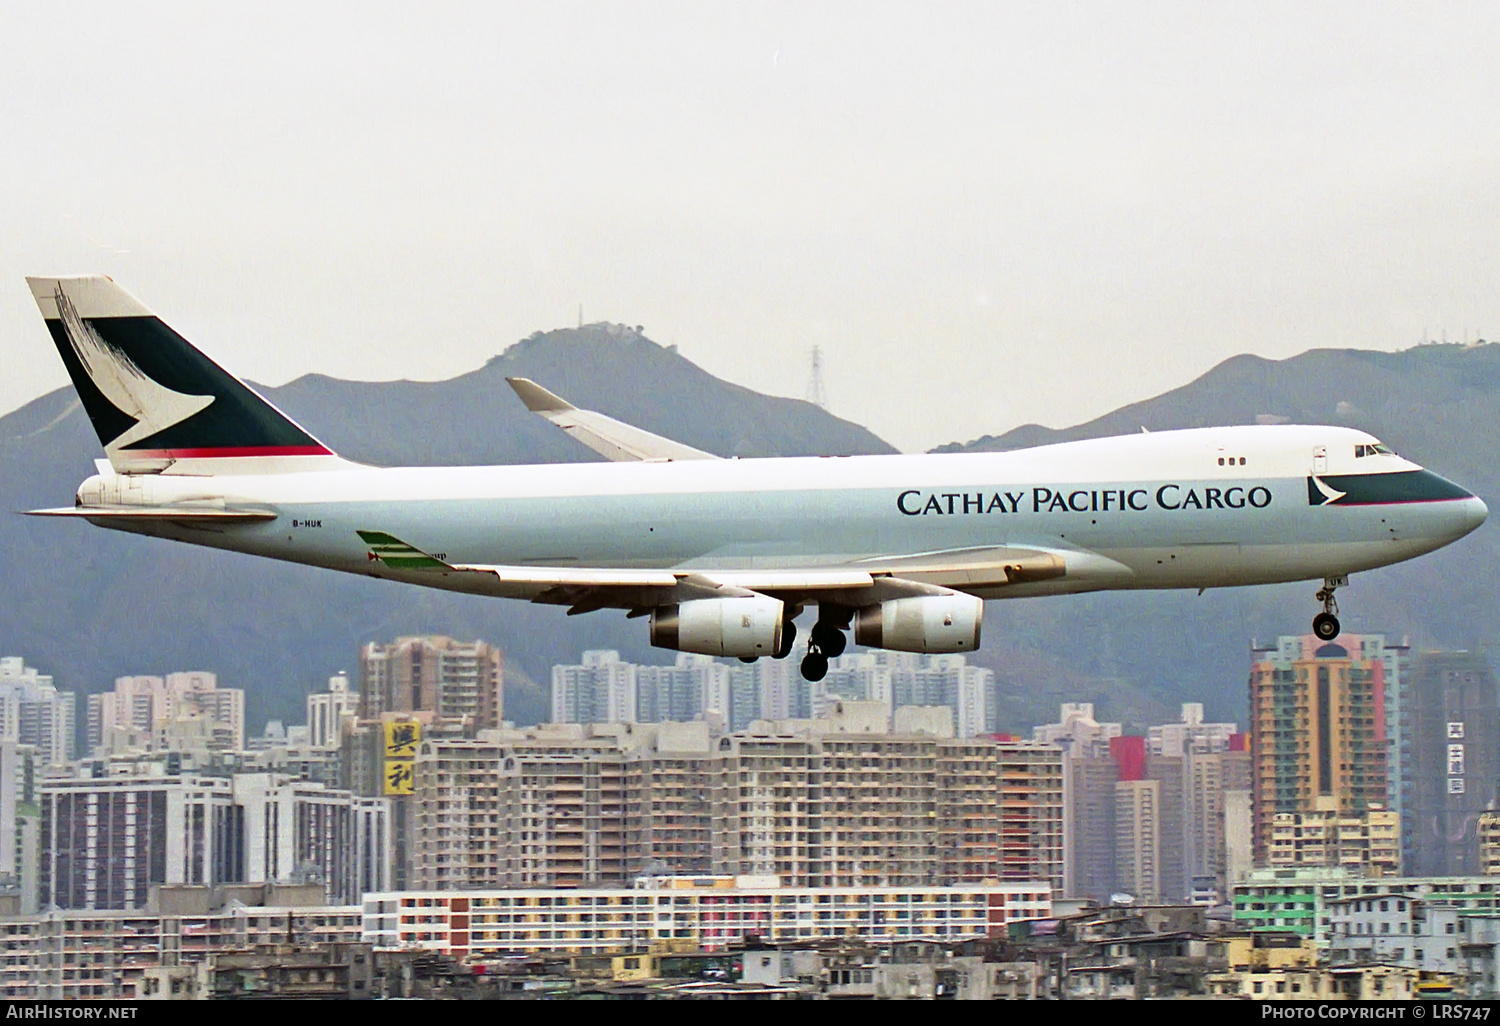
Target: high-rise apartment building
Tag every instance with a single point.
(768, 689)
(601, 689)
(1077, 732)
(1318, 729)
(771, 689)
(1190, 734)
(949, 680)
(1170, 774)
(175, 712)
(1139, 840)
(1140, 822)
(854, 677)
(1033, 831)
(605, 689)
(1367, 844)
(1149, 830)
(377, 760)
(553, 807)
(1489, 843)
(675, 811)
(326, 711)
(300, 832)
(451, 679)
(1090, 814)
(20, 820)
(690, 689)
(1450, 740)
(33, 712)
(833, 802)
(1216, 813)
(107, 840)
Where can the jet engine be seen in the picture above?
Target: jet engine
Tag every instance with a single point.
(744, 627)
(931, 623)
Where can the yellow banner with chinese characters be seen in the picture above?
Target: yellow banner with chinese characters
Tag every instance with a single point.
(399, 777)
(401, 738)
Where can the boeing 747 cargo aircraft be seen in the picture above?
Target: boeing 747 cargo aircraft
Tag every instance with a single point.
(722, 555)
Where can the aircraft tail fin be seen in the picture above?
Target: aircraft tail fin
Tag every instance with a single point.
(157, 404)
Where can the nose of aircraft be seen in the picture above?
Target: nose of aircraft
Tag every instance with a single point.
(1475, 513)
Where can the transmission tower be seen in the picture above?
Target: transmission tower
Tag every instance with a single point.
(815, 393)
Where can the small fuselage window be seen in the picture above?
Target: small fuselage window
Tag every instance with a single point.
(1373, 450)
(1232, 461)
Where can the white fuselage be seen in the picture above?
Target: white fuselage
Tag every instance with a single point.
(1208, 507)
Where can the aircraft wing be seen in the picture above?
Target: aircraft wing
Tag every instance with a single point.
(608, 437)
(866, 582)
(586, 589)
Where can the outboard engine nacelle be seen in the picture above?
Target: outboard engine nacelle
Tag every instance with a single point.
(744, 627)
(930, 623)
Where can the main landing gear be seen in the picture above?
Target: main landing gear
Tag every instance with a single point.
(1326, 624)
(825, 642)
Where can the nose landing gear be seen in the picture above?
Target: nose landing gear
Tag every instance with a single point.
(1326, 624)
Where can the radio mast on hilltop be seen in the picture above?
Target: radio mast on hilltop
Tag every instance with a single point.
(815, 393)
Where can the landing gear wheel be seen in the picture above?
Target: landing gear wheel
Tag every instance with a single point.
(788, 638)
(1326, 626)
(748, 659)
(815, 666)
(829, 640)
(1326, 623)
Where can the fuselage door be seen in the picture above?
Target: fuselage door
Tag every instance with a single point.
(1320, 459)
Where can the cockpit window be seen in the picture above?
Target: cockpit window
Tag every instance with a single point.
(1373, 450)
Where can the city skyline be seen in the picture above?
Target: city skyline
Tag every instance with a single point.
(190, 717)
(844, 813)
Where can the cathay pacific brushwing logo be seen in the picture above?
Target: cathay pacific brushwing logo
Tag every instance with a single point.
(153, 406)
(1330, 495)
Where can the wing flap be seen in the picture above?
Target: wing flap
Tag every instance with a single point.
(982, 566)
(575, 578)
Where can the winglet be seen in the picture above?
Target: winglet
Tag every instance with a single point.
(398, 555)
(537, 398)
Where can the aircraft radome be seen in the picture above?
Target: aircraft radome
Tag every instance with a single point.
(722, 555)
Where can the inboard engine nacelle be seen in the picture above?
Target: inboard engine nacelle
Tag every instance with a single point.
(745, 627)
(931, 623)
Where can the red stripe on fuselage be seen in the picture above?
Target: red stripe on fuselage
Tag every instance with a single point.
(232, 452)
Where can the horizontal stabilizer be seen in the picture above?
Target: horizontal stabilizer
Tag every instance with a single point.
(610, 438)
(144, 514)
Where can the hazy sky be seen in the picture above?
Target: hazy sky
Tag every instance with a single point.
(985, 214)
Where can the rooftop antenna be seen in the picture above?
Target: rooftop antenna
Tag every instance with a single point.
(815, 393)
